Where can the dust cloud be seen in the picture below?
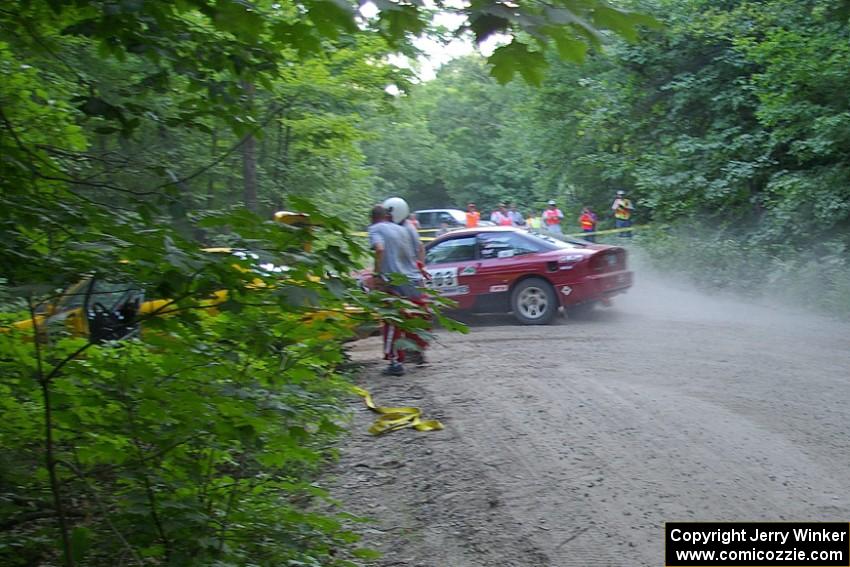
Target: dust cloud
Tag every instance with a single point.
(671, 296)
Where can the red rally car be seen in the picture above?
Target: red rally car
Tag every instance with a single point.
(505, 269)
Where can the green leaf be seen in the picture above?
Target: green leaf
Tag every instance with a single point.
(239, 18)
(330, 17)
(515, 58)
(569, 47)
(400, 22)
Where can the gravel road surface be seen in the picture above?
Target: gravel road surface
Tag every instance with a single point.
(572, 444)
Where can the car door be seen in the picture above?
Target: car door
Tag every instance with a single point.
(448, 263)
(503, 257)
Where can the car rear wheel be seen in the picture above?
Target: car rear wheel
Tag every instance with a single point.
(534, 302)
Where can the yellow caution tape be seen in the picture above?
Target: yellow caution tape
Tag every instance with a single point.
(396, 418)
(422, 238)
(609, 231)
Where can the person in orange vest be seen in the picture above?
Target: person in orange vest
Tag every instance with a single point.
(587, 220)
(623, 208)
(472, 216)
(552, 218)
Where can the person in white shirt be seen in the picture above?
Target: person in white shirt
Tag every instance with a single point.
(500, 216)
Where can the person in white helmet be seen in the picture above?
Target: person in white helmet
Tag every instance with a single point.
(396, 252)
(399, 212)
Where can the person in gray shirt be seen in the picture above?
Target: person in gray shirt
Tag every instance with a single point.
(395, 252)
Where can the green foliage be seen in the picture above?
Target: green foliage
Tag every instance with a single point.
(197, 443)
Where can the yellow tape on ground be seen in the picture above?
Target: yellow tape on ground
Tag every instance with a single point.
(396, 418)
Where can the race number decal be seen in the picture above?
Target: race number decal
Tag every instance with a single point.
(443, 277)
(444, 280)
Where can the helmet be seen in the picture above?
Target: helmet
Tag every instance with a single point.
(397, 209)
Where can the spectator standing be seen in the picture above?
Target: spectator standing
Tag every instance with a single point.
(515, 216)
(552, 218)
(500, 216)
(623, 208)
(587, 221)
(533, 221)
(395, 252)
(472, 216)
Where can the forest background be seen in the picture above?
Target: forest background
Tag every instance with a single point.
(134, 132)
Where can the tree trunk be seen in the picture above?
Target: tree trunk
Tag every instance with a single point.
(249, 160)
(211, 175)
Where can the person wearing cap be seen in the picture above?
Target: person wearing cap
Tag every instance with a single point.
(501, 217)
(622, 207)
(552, 218)
(472, 216)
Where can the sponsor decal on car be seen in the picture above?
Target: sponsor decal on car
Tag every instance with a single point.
(498, 288)
(459, 290)
(468, 271)
(566, 290)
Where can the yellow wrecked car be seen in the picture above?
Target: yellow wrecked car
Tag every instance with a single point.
(105, 310)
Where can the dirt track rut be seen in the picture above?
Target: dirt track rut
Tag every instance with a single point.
(572, 444)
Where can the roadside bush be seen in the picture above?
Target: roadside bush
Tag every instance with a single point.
(198, 442)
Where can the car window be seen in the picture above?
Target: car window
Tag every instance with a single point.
(507, 244)
(112, 294)
(448, 218)
(454, 250)
(426, 220)
(560, 241)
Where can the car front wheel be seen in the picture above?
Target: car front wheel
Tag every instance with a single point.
(533, 302)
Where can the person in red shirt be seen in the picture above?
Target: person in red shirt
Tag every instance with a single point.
(472, 216)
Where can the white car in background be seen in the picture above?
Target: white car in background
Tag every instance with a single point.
(434, 218)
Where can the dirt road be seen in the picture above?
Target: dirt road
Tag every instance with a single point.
(572, 444)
